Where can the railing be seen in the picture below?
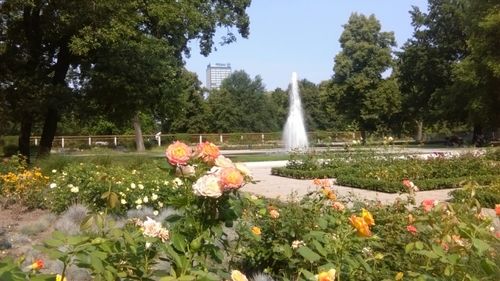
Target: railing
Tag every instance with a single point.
(228, 139)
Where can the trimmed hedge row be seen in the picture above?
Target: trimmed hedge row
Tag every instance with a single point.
(382, 185)
(426, 184)
(301, 174)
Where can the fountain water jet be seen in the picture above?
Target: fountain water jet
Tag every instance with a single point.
(294, 133)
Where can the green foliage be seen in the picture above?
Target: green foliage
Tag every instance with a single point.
(359, 88)
(138, 186)
(486, 195)
(385, 172)
(240, 105)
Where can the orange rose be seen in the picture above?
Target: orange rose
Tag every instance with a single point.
(231, 178)
(329, 193)
(207, 151)
(361, 226)
(37, 265)
(497, 209)
(178, 153)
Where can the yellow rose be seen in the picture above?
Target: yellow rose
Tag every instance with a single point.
(236, 275)
(256, 230)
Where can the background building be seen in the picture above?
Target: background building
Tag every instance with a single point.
(216, 73)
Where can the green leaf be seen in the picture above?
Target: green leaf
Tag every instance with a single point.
(488, 266)
(53, 243)
(307, 274)
(179, 242)
(428, 254)
(409, 247)
(321, 250)
(96, 262)
(308, 254)
(419, 245)
(480, 245)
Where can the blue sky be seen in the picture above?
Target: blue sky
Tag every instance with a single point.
(300, 36)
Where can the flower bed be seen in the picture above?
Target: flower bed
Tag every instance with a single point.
(385, 173)
(208, 230)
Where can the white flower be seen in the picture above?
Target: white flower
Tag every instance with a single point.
(140, 186)
(178, 182)
(138, 201)
(297, 243)
(154, 197)
(54, 171)
(223, 162)
(138, 207)
(74, 189)
(123, 201)
(160, 204)
(53, 185)
(133, 172)
(367, 251)
(148, 244)
(155, 212)
(145, 199)
(207, 185)
(70, 185)
(132, 185)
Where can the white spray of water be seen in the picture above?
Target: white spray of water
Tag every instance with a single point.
(294, 133)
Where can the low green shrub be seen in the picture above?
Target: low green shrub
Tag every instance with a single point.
(487, 195)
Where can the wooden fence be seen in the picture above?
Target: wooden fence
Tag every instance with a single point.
(230, 139)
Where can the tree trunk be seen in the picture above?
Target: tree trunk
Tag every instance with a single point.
(139, 142)
(363, 136)
(49, 131)
(477, 135)
(52, 115)
(24, 135)
(419, 131)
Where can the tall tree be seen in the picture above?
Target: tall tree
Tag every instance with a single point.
(192, 109)
(477, 76)
(50, 36)
(365, 56)
(427, 60)
(239, 105)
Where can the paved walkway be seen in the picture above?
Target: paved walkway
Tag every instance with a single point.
(280, 187)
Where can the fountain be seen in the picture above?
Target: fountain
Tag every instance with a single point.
(294, 133)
